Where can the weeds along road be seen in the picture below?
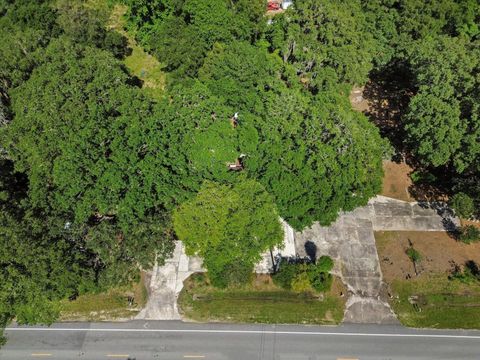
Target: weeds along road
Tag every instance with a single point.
(176, 340)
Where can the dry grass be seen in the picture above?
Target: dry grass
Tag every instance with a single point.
(110, 305)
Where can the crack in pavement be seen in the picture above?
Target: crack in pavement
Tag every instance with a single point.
(350, 241)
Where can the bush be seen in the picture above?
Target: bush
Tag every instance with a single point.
(463, 205)
(414, 255)
(322, 281)
(304, 277)
(469, 234)
(470, 273)
(285, 276)
(324, 264)
(423, 177)
(236, 274)
(301, 283)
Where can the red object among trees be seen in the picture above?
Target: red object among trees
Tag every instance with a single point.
(272, 5)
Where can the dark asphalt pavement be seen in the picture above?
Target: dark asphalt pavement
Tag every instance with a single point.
(176, 340)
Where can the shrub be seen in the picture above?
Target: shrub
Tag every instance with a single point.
(295, 276)
(419, 177)
(463, 205)
(321, 281)
(233, 275)
(285, 276)
(301, 283)
(414, 255)
(324, 264)
(469, 234)
(470, 274)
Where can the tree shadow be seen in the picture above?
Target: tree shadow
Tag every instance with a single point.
(388, 93)
(473, 267)
(311, 250)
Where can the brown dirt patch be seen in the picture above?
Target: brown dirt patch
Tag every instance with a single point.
(338, 288)
(439, 252)
(396, 180)
(357, 100)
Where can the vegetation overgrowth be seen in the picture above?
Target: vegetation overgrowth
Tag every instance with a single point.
(92, 166)
(305, 277)
(259, 301)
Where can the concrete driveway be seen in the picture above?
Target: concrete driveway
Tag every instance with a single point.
(350, 242)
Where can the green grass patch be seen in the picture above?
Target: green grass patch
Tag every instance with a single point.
(109, 305)
(259, 302)
(141, 64)
(440, 303)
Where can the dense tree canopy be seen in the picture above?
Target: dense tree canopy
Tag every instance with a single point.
(443, 119)
(78, 134)
(180, 33)
(434, 45)
(312, 152)
(326, 42)
(73, 151)
(255, 118)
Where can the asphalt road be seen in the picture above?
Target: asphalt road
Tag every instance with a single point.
(176, 340)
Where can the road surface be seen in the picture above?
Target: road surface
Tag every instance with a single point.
(176, 340)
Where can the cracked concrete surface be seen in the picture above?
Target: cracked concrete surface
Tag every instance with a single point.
(166, 282)
(350, 242)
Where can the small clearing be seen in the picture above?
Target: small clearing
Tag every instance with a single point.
(141, 64)
(397, 181)
(430, 299)
(438, 249)
(259, 302)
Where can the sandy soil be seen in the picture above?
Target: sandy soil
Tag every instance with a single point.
(396, 182)
(439, 253)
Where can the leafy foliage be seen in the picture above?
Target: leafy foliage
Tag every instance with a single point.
(414, 255)
(229, 227)
(300, 138)
(75, 166)
(69, 224)
(327, 42)
(463, 205)
(180, 33)
(469, 234)
(305, 277)
(442, 120)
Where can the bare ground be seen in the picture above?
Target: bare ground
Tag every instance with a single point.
(438, 249)
(396, 181)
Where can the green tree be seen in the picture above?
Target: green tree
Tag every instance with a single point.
(87, 26)
(434, 128)
(442, 119)
(463, 205)
(180, 33)
(313, 153)
(325, 41)
(38, 267)
(229, 226)
(79, 133)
